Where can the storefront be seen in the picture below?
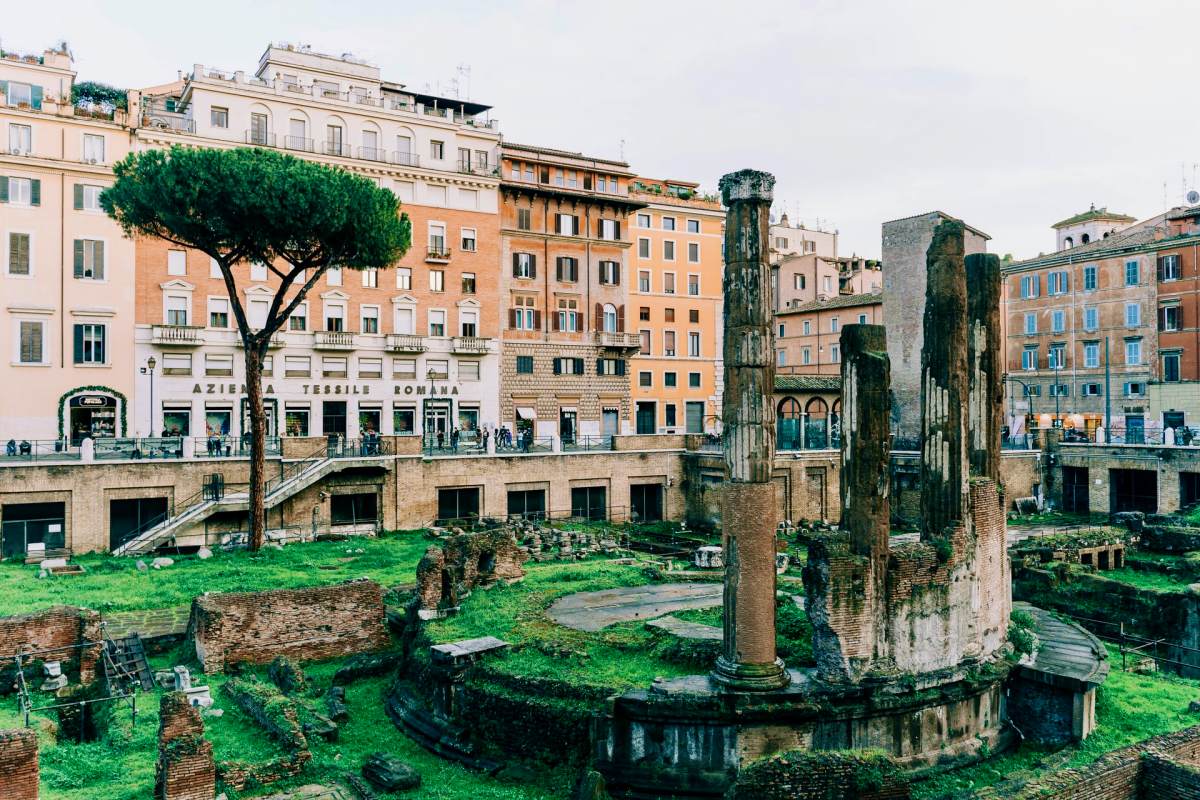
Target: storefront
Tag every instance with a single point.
(91, 414)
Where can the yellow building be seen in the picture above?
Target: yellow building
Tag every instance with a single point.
(676, 299)
(66, 272)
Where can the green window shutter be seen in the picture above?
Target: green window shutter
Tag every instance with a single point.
(4, 89)
(36, 97)
(35, 192)
(79, 258)
(98, 260)
(3, 189)
(78, 196)
(78, 344)
(579, 366)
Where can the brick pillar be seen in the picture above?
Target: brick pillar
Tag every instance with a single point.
(748, 512)
(866, 446)
(985, 361)
(185, 770)
(18, 764)
(944, 388)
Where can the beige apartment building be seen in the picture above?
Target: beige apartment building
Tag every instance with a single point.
(808, 335)
(789, 239)
(408, 350)
(679, 264)
(802, 279)
(67, 277)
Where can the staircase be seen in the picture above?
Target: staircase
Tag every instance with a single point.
(298, 476)
(125, 664)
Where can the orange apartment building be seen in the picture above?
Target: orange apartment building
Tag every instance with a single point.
(409, 350)
(564, 295)
(677, 295)
(808, 334)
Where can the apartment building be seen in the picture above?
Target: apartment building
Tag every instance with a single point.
(564, 294)
(808, 335)
(789, 239)
(677, 296)
(801, 279)
(67, 282)
(1089, 226)
(1108, 327)
(408, 350)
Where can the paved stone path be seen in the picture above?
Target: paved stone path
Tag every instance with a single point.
(686, 630)
(150, 624)
(594, 611)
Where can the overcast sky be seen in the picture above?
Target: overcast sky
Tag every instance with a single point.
(1012, 115)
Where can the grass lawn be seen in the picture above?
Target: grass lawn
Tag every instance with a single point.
(1154, 581)
(115, 584)
(1055, 519)
(1129, 708)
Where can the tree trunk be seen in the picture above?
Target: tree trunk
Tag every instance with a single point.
(255, 352)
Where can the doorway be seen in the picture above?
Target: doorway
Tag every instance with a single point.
(610, 421)
(1189, 489)
(1075, 490)
(23, 524)
(647, 417)
(566, 425)
(694, 417)
(1133, 490)
(646, 502)
(268, 407)
(437, 420)
(589, 502)
(333, 417)
(128, 518)
(93, 415)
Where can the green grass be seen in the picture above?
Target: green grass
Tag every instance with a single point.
(1154, 581)
(1057, 519)
(115, 584)
(1129, 708)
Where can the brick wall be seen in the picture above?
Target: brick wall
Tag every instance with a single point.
(18, 765)
(304, 624)
(57, 627)
(828, 775)
(1167, 779)
(185, 769)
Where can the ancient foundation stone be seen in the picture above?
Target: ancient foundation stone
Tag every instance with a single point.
(303, 624)
(466, 561)
(185, 769)
(18, 765)
(58, 627)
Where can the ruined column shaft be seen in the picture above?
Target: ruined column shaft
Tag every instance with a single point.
(866, 457)
(985, 362)
(944, 385)
(748, 511)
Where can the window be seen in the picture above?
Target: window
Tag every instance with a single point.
(437, 240)
(298, 321)
(693, 380)
(218, 312)
(22, 191)
(1133, 315)
(370, 278)
(20, 139)
(258, 272)
(643, 220)
(1058, 320)
(1091, 355)
(468, 323)
(669, 314)
(218, 117)
(610, 229)
(89, 259)
(1089, 278)
(644, 314)
(1131, 273)
(334, 367)
(828, 282)
(610, 366)
(1135, 389)
(668, 223)
(797, 282)
(333, 276)
(835, 353)
(610, 273)
(1170, 367)
(834, 325)
(214, 269)
(568, 366)
(568, 316)
(806, 355)
(1030, 323)
(566, 225)
(807, 327)
(643, 248)
(1091, 318)
(89, 344)
(693, 226)
(404, 368)
(693, 284)
(1133, 351)
(566, 269)
(370, 318)
(93, 148)
(18, 254)
(1090, 390)
(694, 315)
(1060, 390)
(862, 319)
(21, 93)
(218, 364)
(404, 278)
(468, 283)
(1170, 318)
(1057, 357)
(1029, 358)
(523, 219)
(370, 368)
(1168, 268)
(31, 349)
(405, 320)
(610, 318)
(297, 366)
(176, 363)
(87, 198)
(524, 315)
(467, 240)
(644, 280)
(645, 379)
(668, 250)
(1056, 282)
(177, 310)
(176, 262)
(437, 150)
(524, 265)
(693, 344)
(669, 282)
(335, 315)
(437, 280)
(1031, 286)
(644, 335)
(524, 365)
(669, 343)
(437, 322)
(1033, 390)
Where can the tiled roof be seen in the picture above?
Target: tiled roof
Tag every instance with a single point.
(1115, 244)
(1093, 213)
(944, 216)
(531, 148)
(839, 301)
(1184, 213)
(808, 383)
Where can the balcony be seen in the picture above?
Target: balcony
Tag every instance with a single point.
(278, 339)
(333, 340)
(372, 154)
(475, 345)
(405, 158)
(299, 143)
(179, 335)
(336, 149)
(257, 138)
(437, 255)
(467, 168)
(619, 341)
(405, 343)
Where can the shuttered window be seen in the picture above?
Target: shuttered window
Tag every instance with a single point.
(610, 272)
(18, 254)
(20, 191)
(89, 259)
(32, 334)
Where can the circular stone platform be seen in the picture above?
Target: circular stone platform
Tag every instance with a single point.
(594, 611)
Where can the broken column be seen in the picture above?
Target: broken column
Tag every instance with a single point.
(985, 362)
(749, 516)
(866, 451)
(185, 769)
(944, 388)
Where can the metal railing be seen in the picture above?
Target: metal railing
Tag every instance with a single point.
(260, 138)
(298, 143)
(38, 450)
(226, 446)
(336, 149)
(585, 443)
(589, 513)
(290, 469)
(372, 154)
(469, 443)
(405, 159)
(522, 445)
(357, 448)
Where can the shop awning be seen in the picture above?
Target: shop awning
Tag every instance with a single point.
(525, 412)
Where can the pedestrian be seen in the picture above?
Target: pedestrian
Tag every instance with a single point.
(485, 438)
(454, 434)
(441, 439)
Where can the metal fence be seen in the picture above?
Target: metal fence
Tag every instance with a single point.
(1133, 646)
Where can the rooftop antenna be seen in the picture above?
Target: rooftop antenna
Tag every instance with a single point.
(464, 72)
(622, 149)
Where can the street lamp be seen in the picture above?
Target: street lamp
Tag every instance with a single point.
(151, 363)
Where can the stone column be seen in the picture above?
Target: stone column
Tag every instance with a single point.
(985, 360)
(944, 387)
(748, 513)
(866, 450)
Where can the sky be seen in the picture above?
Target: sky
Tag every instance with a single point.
(1011, 115)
